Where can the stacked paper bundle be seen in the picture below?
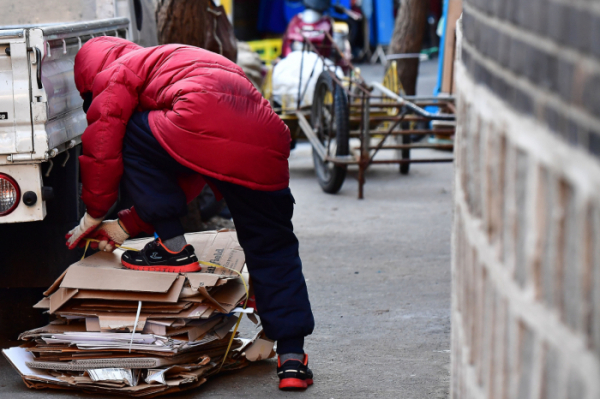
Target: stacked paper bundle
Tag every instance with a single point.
(141, 334)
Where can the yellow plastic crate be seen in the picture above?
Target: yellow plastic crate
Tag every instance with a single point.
(267, 49)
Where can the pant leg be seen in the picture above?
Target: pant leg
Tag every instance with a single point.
(263, 221)
(150, 176)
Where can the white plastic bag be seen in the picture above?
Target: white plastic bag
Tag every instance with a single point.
(286, 78)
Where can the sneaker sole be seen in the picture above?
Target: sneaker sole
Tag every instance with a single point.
(294, 383)
(189, 268)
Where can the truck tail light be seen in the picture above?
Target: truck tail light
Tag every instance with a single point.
(9, 194)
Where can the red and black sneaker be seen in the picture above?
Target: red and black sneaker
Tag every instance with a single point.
(155, 257)
(294, 374)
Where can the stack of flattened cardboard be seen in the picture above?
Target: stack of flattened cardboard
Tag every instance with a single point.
(141, 334)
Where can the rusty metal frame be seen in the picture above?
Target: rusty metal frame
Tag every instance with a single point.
(368, 109)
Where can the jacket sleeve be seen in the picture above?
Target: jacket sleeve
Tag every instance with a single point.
(115, 96)
(133, 223)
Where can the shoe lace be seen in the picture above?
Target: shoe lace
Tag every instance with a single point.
(152, 245)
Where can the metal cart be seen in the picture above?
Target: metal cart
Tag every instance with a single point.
(375, 114)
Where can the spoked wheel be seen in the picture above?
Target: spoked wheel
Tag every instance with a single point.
(330, 121)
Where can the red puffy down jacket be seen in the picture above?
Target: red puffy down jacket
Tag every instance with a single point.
(204, 112)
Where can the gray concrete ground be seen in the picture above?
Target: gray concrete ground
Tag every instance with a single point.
(378, 274)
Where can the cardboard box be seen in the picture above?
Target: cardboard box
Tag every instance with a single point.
(140, 334)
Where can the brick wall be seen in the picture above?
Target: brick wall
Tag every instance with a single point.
(526, 240)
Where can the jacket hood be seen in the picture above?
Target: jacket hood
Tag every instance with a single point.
(95, 55)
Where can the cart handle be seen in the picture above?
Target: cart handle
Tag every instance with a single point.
(412, 106)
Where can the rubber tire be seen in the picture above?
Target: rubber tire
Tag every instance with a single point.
(331, 179)
(405, 167)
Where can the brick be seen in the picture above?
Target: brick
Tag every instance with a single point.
(538, 66)
(467, 59)
(521, 272)
(468, 27)
(538, 16)
(511, 11)
(572, 290)
(551, 374)
(563, 83)
(483, 40)
(523, 101)
(594, 333)
(594, 143)
(498, 86)
(493, 41)
(526, 349)
(579, 30)
(481, 5)
(504, 48)
(595, 33)
(524, 14)
(548, 70)
(591, 94)
(558, 15)
(575, 386)
(536, 221)
(486, 76)
(583, 137)
(549, 241)
(572, 132)
(509, 93)
(486, 6)
(477, 71)
(497, 7)
(518, 57)
(555, 120)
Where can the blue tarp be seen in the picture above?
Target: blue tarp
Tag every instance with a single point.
(274, 15)
(382, 22)
(271, 16)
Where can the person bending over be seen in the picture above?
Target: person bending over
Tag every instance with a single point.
(165, 121)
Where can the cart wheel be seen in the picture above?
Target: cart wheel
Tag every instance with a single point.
(330, 120)
(405, 167)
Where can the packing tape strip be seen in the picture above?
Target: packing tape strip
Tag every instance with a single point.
(89, 240)
(241, 314)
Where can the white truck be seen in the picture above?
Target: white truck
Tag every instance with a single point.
(41, 123)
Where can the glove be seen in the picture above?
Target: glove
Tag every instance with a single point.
(110, 233)
(86, 226)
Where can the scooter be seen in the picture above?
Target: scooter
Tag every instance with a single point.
(312, 24)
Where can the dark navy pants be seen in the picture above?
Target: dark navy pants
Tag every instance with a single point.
(263, 220)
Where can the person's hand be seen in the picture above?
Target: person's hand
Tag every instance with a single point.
(86, 226)
(110, 233)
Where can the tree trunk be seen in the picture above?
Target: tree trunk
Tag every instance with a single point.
(181, 21)
(408, 38)
(196, 23)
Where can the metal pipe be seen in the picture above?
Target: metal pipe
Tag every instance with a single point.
(361, 86)
(402, 56)
(364, 145)
(50, 166)
(448, 132)
(311, 135)
(387, 134)
(319, 147)
(300, 79)
(307, 81)
(381, 118)
(396, 105)
(412, 106)
(414, 146)
(403, 161)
